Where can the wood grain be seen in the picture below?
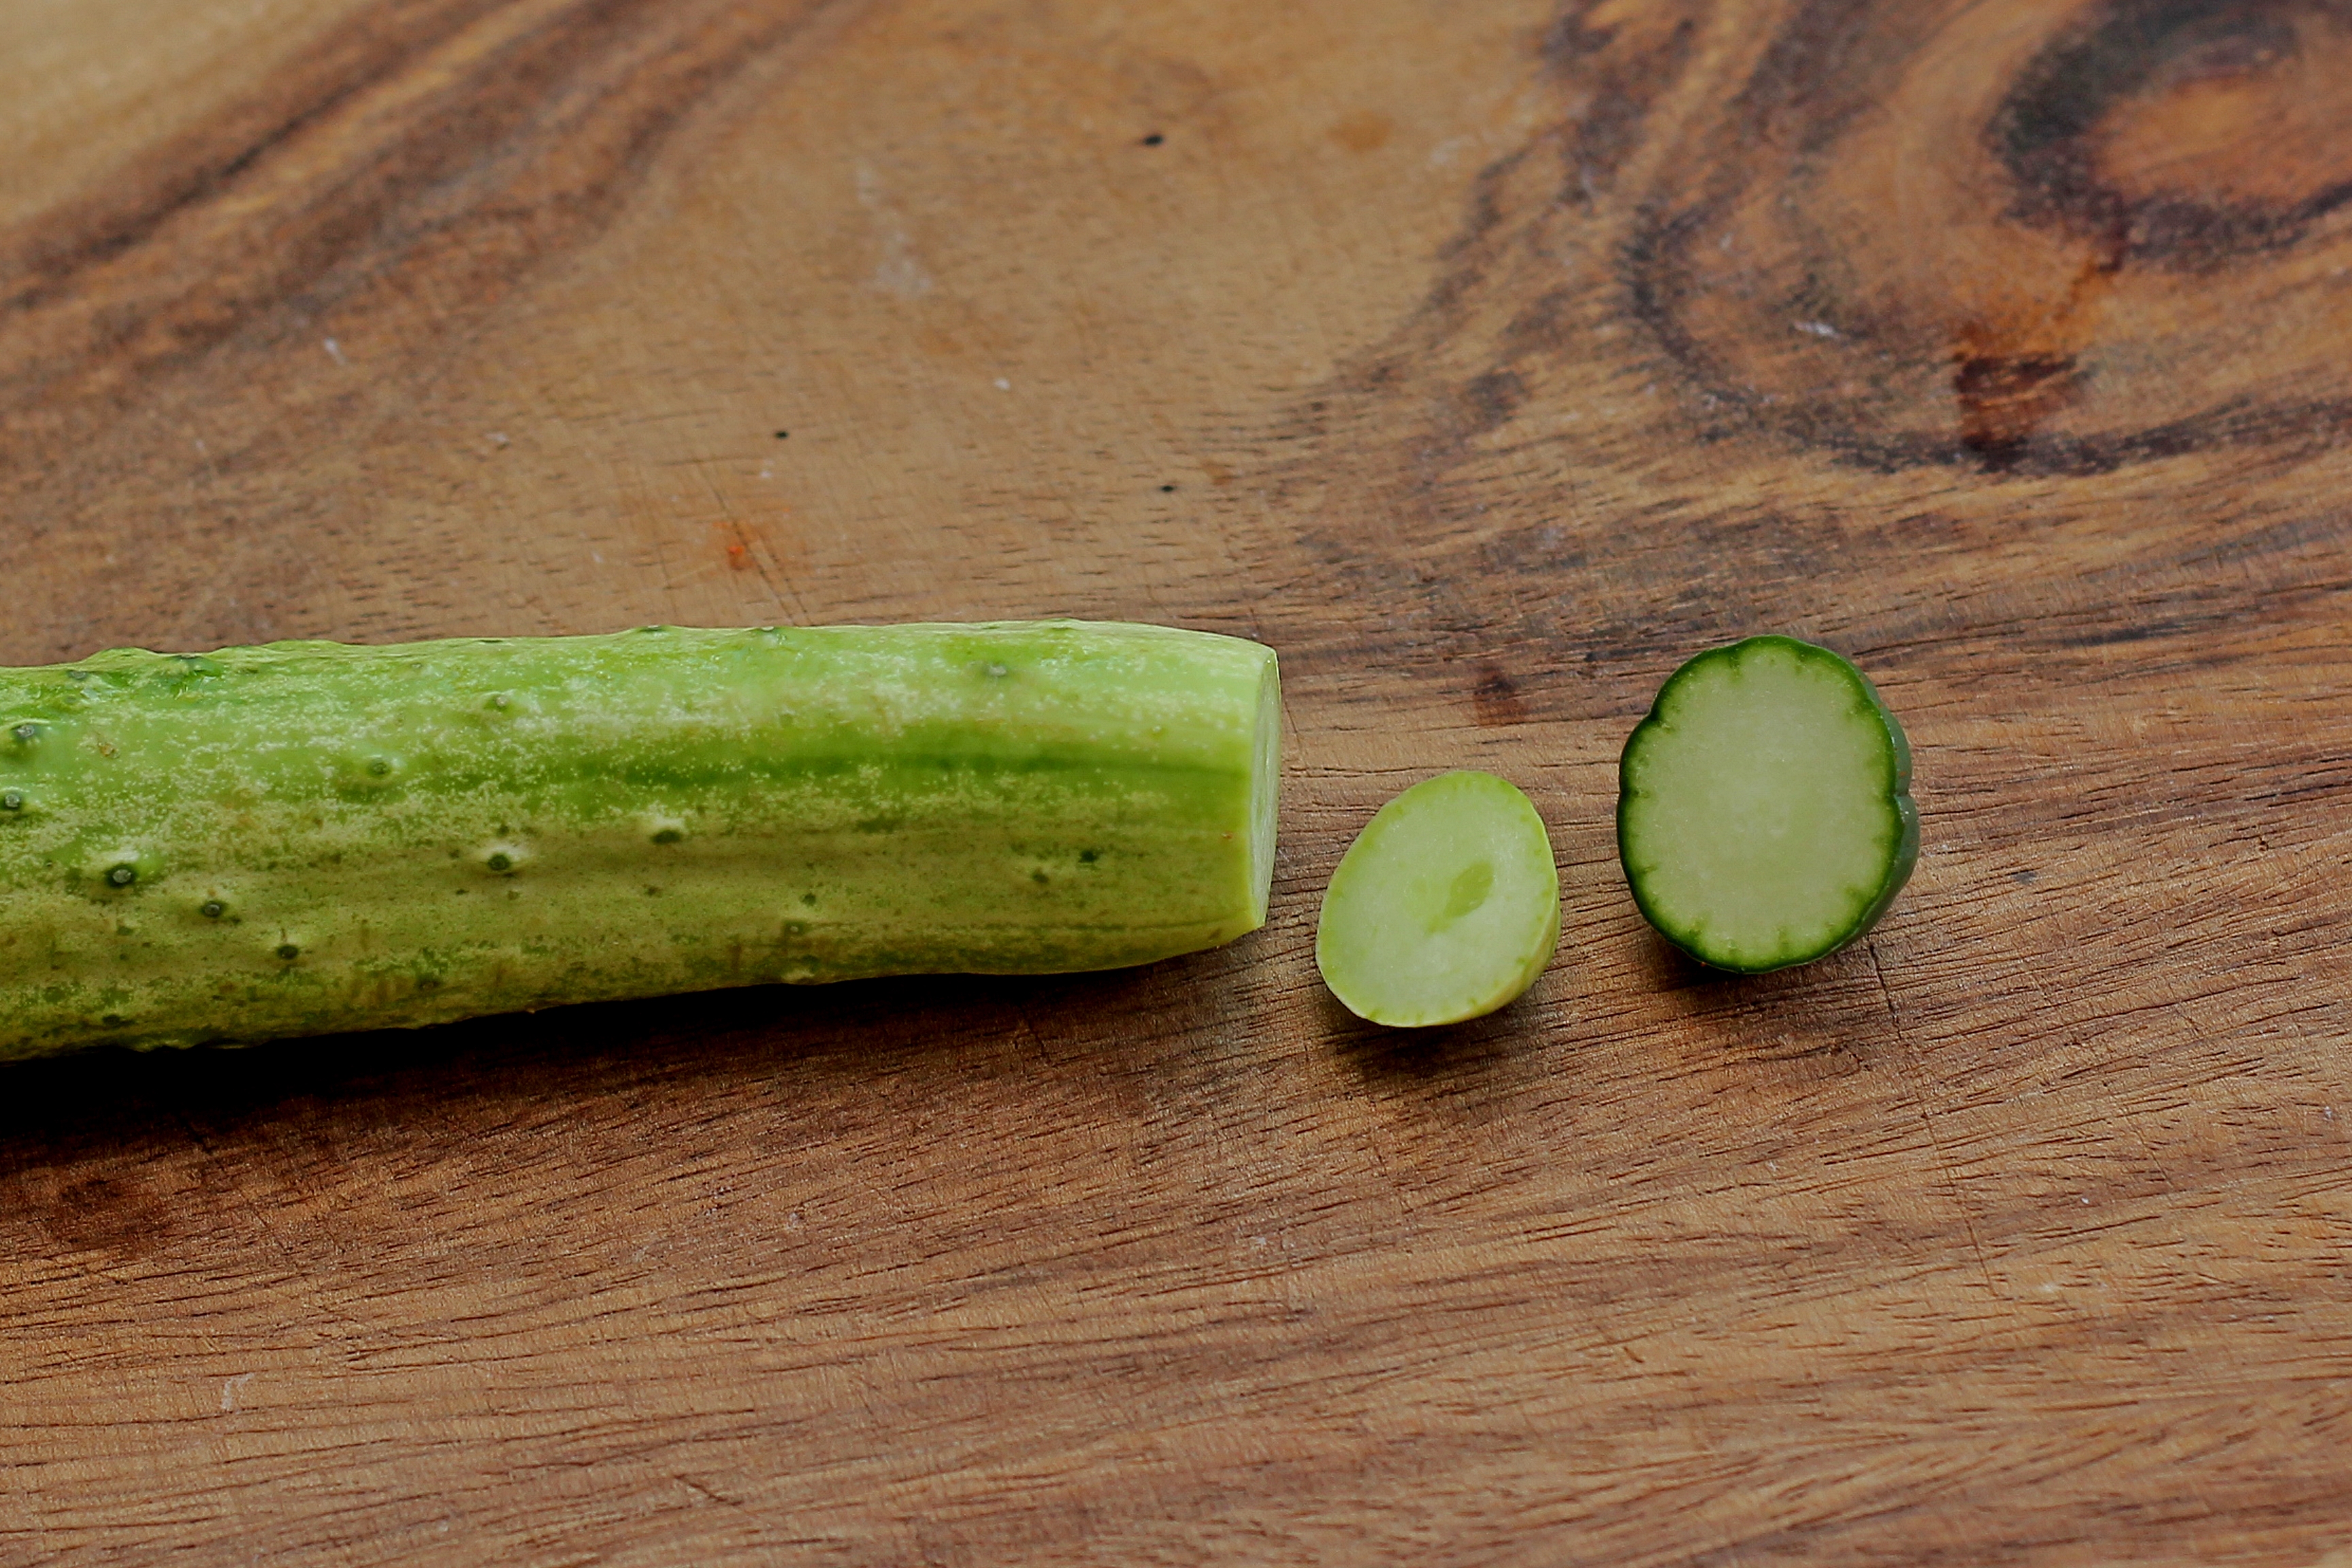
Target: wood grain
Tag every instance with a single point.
(1488, 362)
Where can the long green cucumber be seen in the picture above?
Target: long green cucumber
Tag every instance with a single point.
(307, 837)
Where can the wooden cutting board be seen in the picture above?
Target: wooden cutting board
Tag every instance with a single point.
(1487, 361)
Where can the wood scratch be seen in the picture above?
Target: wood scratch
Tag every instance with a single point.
(1927, 1121)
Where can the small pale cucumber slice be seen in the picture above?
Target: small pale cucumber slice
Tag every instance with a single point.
(1445, 907)
(1764, 814)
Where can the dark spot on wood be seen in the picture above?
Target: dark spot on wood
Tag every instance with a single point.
(1547, 324)
(1496, 701)
(1153, 140)
(1491, 399)
(105, 1213)
(1366, 131)
(1569, 39)
(2003, 400)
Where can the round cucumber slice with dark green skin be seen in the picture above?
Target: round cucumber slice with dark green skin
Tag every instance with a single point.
(1764, 812)
(1445, 907)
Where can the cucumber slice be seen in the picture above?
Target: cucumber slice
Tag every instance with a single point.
(1445, 907)
(1764, 814)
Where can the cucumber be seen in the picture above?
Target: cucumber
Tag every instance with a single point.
(1445, 907)
(1764, 813)
(306, 837)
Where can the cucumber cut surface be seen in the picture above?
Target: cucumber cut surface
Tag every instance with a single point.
(307, 837)
(1764, 814)
(1445, 907)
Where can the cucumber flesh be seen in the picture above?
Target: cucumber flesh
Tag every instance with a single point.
(1764, 814)
(309, 838)
(1445, 907)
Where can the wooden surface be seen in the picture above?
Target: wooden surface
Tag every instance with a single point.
(1487, 361)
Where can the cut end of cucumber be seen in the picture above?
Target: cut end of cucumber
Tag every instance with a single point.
(1265, 788)
(1764, 817)
(1445, 907)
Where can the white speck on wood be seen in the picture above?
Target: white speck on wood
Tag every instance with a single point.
(898, 272)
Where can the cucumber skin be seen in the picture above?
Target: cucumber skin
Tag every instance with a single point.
(1906, 848)
(307, 837)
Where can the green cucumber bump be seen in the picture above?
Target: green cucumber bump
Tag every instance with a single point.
(305, 837)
